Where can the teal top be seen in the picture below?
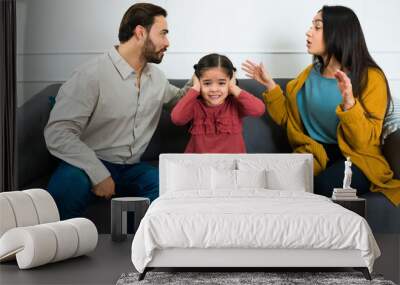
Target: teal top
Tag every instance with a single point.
(317, 101)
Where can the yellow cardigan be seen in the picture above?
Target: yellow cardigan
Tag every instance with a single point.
(358, 135)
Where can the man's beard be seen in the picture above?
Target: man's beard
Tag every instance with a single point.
(150, 53)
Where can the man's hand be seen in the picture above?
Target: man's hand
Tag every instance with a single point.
(105, 188)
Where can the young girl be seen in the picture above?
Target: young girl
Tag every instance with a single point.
(215, 106)
(336, 106)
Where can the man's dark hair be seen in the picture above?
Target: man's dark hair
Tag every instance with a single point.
(138, 14)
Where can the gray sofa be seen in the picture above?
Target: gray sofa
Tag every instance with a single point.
(262, 135)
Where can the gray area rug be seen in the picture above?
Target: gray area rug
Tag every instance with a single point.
(243, 278)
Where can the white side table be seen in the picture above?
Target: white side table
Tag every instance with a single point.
(119, 208)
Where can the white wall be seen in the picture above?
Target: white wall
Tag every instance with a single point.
(55, 36)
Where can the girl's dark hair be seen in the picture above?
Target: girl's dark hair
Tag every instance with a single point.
(138, 14)
(344, 40)
(214, 60)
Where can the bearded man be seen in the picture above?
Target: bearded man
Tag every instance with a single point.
(106, 114)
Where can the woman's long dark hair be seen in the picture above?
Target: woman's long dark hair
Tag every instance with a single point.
(344, 40)
(214, 60)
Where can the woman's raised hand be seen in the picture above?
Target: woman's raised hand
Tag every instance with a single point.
(345, 87)
(258, 72)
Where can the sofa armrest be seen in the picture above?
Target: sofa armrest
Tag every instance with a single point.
(33, 159)
(391, 150)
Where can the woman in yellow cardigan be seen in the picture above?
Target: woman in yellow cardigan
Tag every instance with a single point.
(335, 107)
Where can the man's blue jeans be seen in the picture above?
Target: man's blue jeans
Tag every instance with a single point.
(71, 188)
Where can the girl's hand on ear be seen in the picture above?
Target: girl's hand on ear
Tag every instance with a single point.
(196, 83)
(259, 73)
(233, 88)
(345, 87)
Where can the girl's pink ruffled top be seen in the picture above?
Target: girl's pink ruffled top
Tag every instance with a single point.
(216, 129)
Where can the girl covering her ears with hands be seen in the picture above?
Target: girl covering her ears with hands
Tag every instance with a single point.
(336, 106)
(215, 106)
